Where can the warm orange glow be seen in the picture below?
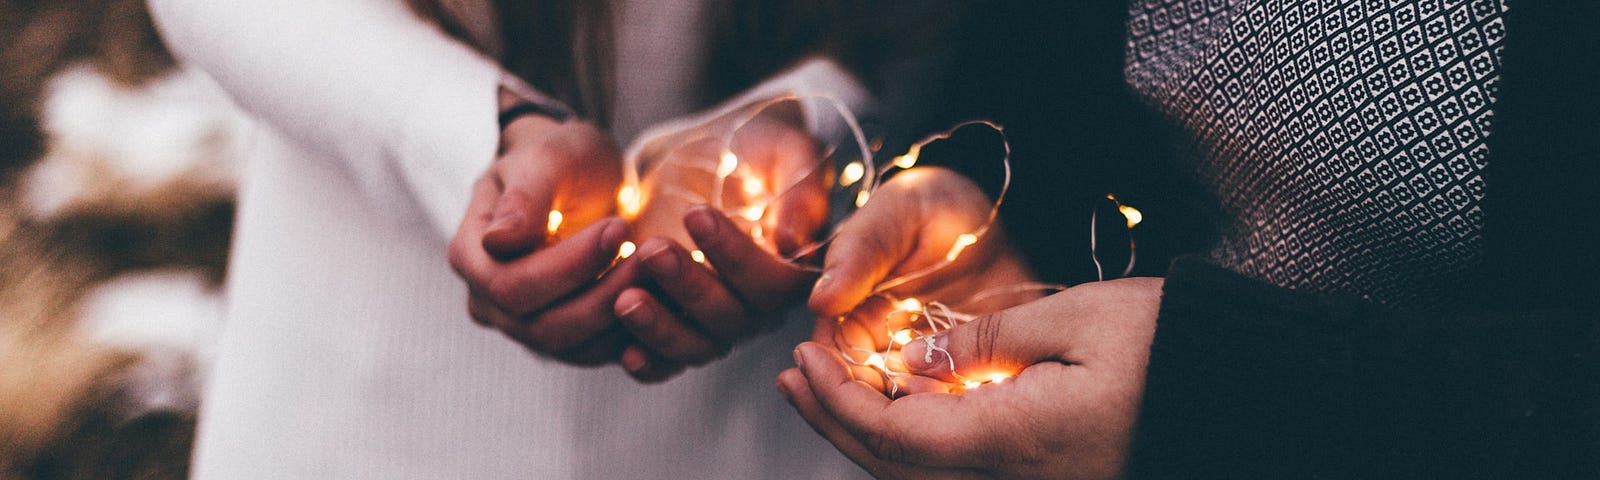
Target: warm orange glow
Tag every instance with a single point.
(876, 361)
(910, 305)
(629, 201)
(853, 172)
(753, 186)
(909, 159)
(962, 242)
(753, 212)
(1133, 215)
(554, 223)
(902, 337)
(729, 163)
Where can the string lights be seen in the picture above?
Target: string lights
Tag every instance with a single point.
(746, 192)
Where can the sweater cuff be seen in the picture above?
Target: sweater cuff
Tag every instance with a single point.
(1246, 380)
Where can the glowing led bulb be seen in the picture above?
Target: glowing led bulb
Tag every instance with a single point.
(876, 361)
(853, 172)
(909, 159)
(626, 250)
(861, 198)
(1133, 215)
(753, 186)
(971, 384)
(902, 337)
(729, 163)
(753, 212)
(910, 305)
(698, 256)
(629, 201)
(962, 242)
(998, 377)
(554, 223)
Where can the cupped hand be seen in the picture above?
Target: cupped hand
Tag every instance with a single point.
(690, 312)
(908, 235)
(906, 243)
(1076, 362)
(540, 287)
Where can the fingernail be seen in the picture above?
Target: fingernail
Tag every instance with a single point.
(927, 353)
(700, 222)
(634, 362)
(822, 280)
(637, 315)
(664, 263)
(612, 237)
(507, 222)
(783, 389)
(799, 359)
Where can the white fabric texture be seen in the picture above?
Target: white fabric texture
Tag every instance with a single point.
(347, 352)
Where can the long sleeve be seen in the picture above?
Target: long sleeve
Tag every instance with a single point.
(409, 112)
(1252, 381)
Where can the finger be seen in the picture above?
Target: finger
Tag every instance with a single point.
(573, 321)
(868, 246)
(466, 253)
(662, 332)
(792, 385)
(1002, 343)
(518, 223)
(698, 293)
(532, 282)
(592, 349)
(483, 312)
(801, 206)
(931, 430)
(763, 281)
(646, 367)
(607, 347)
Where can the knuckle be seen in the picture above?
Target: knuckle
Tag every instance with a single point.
(479, 312)
(987, 337)
(506, 293)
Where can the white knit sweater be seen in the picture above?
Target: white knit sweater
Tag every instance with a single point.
(347, 351)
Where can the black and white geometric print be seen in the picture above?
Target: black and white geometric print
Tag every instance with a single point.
(1344, 137)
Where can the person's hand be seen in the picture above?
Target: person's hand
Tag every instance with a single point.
(1077, 361)
(542, 288)
(898, 246)
(690, 313)
(910, 228)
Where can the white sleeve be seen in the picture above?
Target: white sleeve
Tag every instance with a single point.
(409, 112)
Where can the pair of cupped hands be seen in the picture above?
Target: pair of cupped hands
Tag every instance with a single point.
(1078, 357)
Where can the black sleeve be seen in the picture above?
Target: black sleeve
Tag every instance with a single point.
(1252, 381)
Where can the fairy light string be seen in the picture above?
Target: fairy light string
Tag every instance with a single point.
(855, 181)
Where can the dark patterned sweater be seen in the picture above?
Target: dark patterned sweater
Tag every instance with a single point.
(1249, 378)
(1344, 138)
(1490, 365)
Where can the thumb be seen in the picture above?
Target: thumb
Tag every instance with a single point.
(521, 217)
(999, 344)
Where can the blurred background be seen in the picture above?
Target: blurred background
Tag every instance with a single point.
(116, 202)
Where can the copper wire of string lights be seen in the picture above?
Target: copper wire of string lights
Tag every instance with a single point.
(728, 168)
(912, 319)
(854, 182)
(1133, 216)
